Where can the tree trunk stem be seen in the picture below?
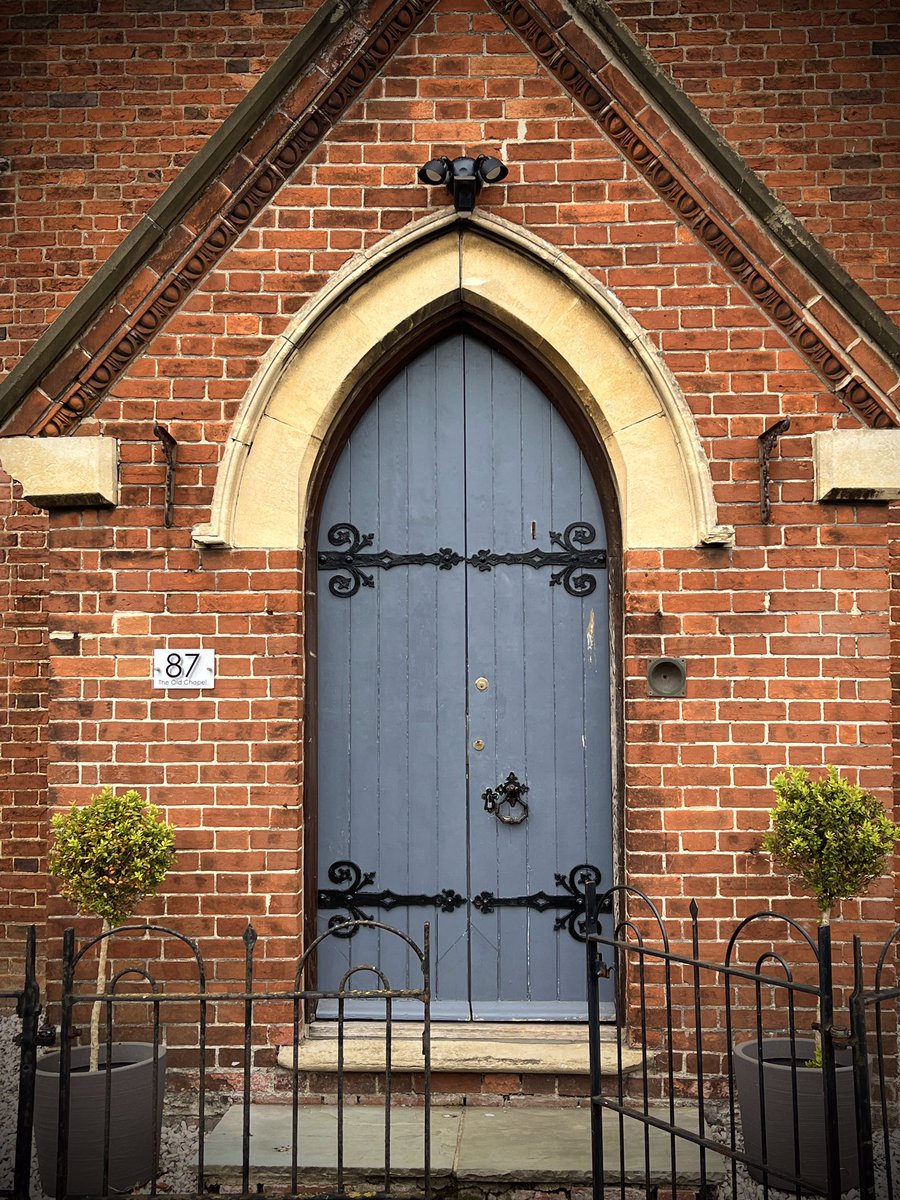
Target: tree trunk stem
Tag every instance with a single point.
(101, 987)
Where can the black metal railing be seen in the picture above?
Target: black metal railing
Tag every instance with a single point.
(686, 1015)
(876, 1090)
(28, 1010)
(175, 1001)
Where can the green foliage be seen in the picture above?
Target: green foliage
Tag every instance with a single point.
(111, 853)
(817, 1059)
(829, 833)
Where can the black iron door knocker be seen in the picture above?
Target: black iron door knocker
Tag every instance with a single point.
(510, 793)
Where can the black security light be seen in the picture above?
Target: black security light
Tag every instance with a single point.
(437, 170)
(464, 177)
(490, 169)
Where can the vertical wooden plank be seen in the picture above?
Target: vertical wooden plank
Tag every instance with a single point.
(531, 478)
(395, 711)
(484, 764)
(542, 700)
(579, 629)
(385, 822)
(347, 730)
(434, 794)
(496, 598)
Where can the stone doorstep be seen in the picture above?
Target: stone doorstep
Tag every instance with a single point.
(488, 1049)
(468, 1145)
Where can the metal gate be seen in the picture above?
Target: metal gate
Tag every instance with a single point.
(463, 684)
(678, 1122)
(161, 989)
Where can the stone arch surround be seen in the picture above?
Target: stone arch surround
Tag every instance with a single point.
(487, 266)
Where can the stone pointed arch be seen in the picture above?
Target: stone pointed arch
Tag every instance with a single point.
(486, 266)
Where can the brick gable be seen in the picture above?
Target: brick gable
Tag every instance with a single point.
(786, 634)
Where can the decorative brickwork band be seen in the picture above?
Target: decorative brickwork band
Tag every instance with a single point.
(832, 362)
(286, 155)
(828, 360)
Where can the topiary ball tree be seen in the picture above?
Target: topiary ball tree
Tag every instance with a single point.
(832, 835)
(109, 855)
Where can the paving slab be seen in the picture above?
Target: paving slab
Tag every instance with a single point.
(270, 1138)
(554, 1145)
(541, 1144)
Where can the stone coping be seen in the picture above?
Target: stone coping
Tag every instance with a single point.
(79, 472)
(857, 465)
(522, 1049)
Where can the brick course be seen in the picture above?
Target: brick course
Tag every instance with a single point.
(150, 84)
(23, 721)
(787, 635)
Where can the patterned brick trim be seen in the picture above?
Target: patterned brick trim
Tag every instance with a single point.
(822, 352)
(605, 100)
(305, 133)
(785, 229)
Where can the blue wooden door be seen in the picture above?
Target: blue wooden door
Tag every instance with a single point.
(463, 715)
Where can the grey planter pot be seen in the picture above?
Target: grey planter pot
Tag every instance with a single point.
(779, 1110)
(132, 1127)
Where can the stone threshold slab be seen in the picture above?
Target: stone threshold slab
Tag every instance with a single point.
(522, 1143)
(488, 1049)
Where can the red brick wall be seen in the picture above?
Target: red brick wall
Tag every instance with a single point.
(104, 104)
(23, 723)
(808, 95)
(224, 765)
(786, 636)
(894, 536)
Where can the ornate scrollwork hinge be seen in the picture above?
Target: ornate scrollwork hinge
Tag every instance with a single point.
(352, 897)
(572, 902)
(571, 558)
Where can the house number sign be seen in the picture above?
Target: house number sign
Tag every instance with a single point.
(194, 668)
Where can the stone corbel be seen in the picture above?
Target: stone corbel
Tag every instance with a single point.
(857, 464)
(721, 536)
(81, 472)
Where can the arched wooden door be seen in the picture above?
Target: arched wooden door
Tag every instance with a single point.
(463, 714)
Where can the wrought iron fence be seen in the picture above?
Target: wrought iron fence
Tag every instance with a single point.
(873, 1027)
(76, 1160)
(686, 1014)
(28, 1009)
(796, 1118)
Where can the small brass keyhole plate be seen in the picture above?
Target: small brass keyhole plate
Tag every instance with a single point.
(478, 744)
(481, 683)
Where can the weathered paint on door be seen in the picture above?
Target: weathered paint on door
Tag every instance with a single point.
(461, 452)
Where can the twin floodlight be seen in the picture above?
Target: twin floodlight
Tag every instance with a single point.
(464, 177)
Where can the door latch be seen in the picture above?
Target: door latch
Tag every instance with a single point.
(510, 793)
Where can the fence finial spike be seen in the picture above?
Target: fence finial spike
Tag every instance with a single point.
(250, 935)
(694, 910)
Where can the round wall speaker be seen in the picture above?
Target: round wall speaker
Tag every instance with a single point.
(667, 676)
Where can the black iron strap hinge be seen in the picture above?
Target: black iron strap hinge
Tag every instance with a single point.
(353, 895)
(571, 902)
(570, 558)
